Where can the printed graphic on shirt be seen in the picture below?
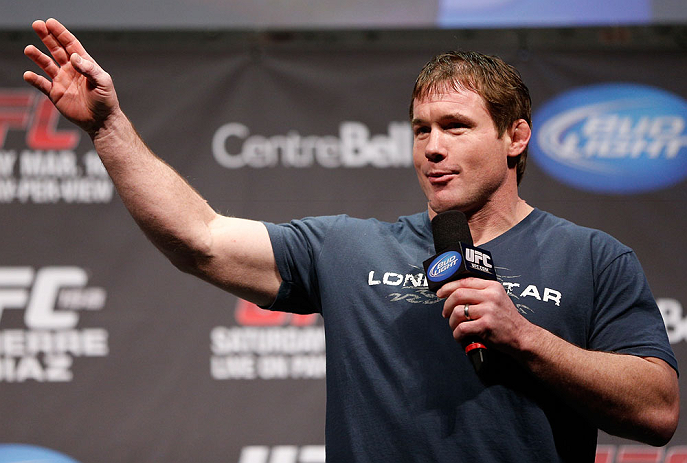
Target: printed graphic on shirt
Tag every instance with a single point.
(521, 292)
(412, 287)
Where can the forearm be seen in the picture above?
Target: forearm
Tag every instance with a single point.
(170, 212)
(624, 395)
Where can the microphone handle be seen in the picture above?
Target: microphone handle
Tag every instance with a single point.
(476, 352)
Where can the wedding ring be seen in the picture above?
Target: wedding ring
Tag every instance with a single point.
(466, 311)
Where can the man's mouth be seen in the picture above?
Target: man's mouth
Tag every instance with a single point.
(438, 177)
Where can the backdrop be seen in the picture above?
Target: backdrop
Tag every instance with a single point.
(109, 354)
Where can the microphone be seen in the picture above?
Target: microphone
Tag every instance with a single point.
(458, 258)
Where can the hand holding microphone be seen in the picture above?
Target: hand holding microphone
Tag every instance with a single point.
(456, 259)
(476, 304)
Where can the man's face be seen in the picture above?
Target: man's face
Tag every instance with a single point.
(460, 161)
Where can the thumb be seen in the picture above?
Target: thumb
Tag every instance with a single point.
(88, 68)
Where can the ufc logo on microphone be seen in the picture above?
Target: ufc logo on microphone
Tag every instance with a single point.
(477, 257)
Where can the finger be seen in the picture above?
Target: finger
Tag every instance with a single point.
(471, 328)
(88, 68)
(39, 27)
(470, 282)
(50, 41)
(39, 82)
(457, 316)
(42, 60)
(454, 319)
(463, 331)
(447, 310)
(460, 330)
(450, 304)
(459, 298)
(66, 39)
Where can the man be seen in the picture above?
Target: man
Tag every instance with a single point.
(586, 350)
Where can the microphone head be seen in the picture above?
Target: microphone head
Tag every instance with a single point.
(449, 229)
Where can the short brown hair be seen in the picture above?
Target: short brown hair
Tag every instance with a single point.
(499, 84)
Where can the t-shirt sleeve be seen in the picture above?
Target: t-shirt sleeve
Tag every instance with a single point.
(296, 246)
(627, 319)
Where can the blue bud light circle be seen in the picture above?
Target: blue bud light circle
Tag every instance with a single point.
(14, 453)
(444, 266)
(614, 138)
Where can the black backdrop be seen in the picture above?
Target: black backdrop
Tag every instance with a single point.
(107, 353)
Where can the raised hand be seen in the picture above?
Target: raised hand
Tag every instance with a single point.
(78, 87)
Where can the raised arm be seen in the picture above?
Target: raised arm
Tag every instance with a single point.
(235, 254)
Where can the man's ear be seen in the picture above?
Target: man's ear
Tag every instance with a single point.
(520, 134)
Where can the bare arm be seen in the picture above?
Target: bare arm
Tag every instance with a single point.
(232, 253)
(624, 395)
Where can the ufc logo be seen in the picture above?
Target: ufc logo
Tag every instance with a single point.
(477, 257)
(39, 292)
(29, 111)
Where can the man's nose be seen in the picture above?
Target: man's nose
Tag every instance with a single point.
(435, 149)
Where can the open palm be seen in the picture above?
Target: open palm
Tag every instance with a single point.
(76, 85)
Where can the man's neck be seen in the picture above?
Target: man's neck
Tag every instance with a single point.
(486, 223)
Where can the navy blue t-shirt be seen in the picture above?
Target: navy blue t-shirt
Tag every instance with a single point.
(400, 388)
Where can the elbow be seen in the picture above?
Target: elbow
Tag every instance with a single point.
(189, 256)
(661, 419)
(653, 425)
(190, 262)
(657, 426)
(664, 424)
(183, 263)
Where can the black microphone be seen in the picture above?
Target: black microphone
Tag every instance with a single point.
(457, 258)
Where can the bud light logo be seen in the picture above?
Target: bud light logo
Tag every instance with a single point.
(13, 453)
(444, 266)
(613, 138)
